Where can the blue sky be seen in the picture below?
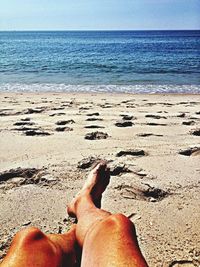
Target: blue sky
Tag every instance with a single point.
(99, 14)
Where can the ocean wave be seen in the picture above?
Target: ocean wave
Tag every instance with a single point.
(137, 88)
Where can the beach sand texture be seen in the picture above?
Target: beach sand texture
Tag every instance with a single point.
(49, 141)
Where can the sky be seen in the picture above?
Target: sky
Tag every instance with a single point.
(99, 14)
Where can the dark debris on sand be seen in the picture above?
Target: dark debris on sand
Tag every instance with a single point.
(119, 169)
(93, 114)
(155, 193)
(25, 128)
(188, 123)
(65, 122)
(190, 151)
(124, 123)
(63, 129)
(33, 110)
(87, 162)
(155, 116)
(94, 127)
(36, 133)
(196, 132)
(156, 124)
(182, 115)
(94, 119)
(127, 117)
(26, 119)
(131, 152)
(177, 263)
(22, 123)
(96, 136)
(148, 134)
(57, 114)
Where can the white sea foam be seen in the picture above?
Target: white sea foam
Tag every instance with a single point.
(140, 88)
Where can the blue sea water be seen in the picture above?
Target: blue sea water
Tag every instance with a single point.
(114, 61)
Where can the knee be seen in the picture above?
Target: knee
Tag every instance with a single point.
(119, 221)
(116, 223)
(29, 235)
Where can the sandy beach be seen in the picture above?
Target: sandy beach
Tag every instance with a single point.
(49, 141)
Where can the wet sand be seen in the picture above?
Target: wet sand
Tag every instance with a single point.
(49, 142)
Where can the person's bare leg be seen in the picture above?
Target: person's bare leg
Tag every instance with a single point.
(107, 240)
(32, 248)
(86, 205)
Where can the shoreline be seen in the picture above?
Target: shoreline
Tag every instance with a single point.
(100, 88)
(97, 93)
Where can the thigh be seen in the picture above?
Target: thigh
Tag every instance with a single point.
(31, 247)
(112, 243)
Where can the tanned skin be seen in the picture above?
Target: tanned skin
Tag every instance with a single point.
(105, 239)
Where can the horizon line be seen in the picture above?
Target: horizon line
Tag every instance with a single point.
(74, 30)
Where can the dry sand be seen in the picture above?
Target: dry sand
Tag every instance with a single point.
(44, 158)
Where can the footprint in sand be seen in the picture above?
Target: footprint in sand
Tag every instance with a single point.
(195, 151)
(33, 110)
(148, 134)
(188, 123)
(8, 112)
(63, 129)
(18, 177)
(94, 127)
(26, 119)
(96, 136)
(196, 132)
(156, 124)
(59, 108)
(124, 124)
(182, 115)
(184, 263)
(106, 106)
(126, 117)
(19, 172)
(143, 192)
(36, 133)
(94, 119)
(57, 114)
(65, 122)
(93, 114)
(155, 116)
(23, 176)
(22, 123)
(25, 128)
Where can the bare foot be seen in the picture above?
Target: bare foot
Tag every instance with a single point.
(94, 186)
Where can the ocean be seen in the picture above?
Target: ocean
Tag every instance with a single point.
(106, 61)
